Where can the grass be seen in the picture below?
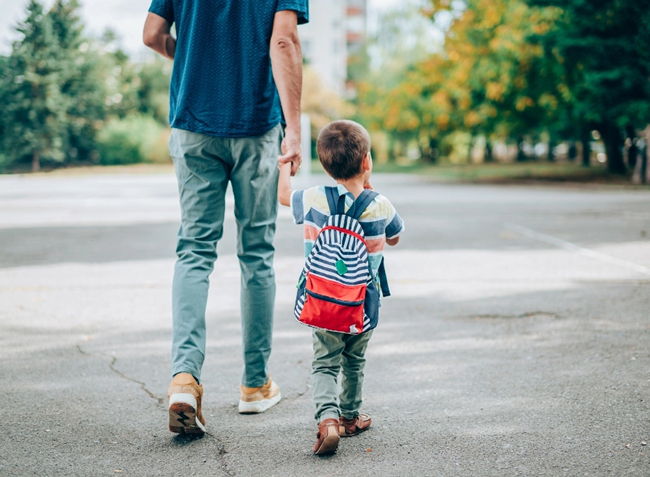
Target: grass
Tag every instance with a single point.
(505, 173)
(497, 173)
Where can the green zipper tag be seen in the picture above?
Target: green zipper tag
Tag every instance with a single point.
(300, 282)
(341, 267)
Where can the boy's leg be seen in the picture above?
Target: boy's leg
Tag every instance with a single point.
(202, 180)
(353, 362)
(255, 181)
(328, 347)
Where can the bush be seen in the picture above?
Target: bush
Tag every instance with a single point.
(131, 140)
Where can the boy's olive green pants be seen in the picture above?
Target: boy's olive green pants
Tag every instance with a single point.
(336, 353)
(204, 167)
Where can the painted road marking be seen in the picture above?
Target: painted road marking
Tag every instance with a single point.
(520, 229)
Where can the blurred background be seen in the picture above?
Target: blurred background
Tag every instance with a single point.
(477, 89)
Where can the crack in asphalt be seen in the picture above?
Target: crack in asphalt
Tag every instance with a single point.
(222, 454)
(111, 365)
(221, 448)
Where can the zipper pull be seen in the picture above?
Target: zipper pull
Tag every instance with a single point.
(301, 281)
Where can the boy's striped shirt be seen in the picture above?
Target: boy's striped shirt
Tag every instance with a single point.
(379, 221)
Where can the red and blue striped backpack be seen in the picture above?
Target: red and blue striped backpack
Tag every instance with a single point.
(337, 290)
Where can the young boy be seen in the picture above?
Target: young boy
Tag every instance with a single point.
(344, 151)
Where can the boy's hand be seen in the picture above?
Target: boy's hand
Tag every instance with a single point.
(392, 241)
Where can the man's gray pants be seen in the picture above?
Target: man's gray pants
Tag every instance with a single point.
(204, 166)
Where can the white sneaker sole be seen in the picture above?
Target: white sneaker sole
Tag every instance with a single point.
(256, 407)
(182, 415)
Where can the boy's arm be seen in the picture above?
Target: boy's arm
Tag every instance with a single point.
(284, 184)
(394, 228)
(392, 241)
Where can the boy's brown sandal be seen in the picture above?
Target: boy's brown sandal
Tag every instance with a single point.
(328, 437)
(352, 427)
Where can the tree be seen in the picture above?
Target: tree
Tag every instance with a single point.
(60, 87)
(602, 47)
(488, 79)
(30, 89)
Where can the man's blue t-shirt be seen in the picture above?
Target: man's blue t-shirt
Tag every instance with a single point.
(222, 84)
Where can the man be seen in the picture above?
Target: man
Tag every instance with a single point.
(237, 73)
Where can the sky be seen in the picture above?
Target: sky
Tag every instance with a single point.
(126, 17)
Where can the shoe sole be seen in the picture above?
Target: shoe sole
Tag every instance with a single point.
(343, 434)
(256, 407)
(182, 415)
(328, 446)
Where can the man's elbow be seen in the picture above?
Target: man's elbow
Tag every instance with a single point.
(149, 38)
(285, 42)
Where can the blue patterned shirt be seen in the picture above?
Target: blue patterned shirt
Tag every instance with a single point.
(222, 84)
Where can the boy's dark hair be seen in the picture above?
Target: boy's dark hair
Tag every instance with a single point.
(341, 146)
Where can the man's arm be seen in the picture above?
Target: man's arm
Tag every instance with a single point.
(284, 185)
(286, 60)
(157, 36)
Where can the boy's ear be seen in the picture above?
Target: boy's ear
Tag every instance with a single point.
(366, 163)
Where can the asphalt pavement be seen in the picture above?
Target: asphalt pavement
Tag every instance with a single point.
(516, 342)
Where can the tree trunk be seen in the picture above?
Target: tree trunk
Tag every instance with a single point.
(470, 148)
(551, 151)
(586, 148)
(433, 150)
(573, 151)
(613, 146)
(633, 150)
(36, 161)
(521, 157)
(391, 149)
(646, 158)
(487, 156)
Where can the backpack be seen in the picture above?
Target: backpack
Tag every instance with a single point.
(336, 289)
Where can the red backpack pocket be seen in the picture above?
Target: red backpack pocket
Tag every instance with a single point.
(333, 306)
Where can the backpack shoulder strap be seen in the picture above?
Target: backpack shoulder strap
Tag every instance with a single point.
(332, 194)
(383, 279)
(362, 203)
(335, 201)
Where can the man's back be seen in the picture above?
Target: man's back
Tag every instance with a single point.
(222, 82)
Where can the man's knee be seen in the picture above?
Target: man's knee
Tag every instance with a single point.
(196, 254)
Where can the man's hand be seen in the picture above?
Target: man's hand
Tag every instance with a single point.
(291, 150)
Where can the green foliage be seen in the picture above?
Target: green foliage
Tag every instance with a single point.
(31, 77)
(513, 68)
(59, 88)
(602, 47)
(131, 140)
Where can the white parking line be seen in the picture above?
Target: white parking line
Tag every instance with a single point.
(575, 248)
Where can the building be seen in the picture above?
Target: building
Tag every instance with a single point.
(336, 31)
